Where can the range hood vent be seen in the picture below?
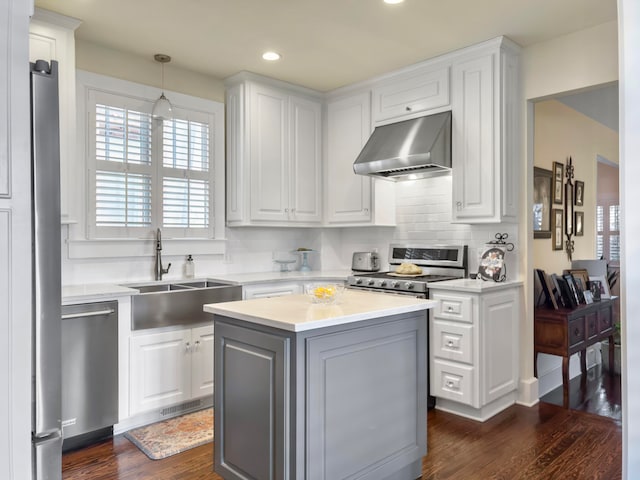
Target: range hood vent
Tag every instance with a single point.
(408, 150)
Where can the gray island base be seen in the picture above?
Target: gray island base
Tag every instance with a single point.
(329, 392)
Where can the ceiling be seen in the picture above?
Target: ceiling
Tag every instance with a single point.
(324, 44)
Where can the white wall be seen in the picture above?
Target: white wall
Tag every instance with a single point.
(629, 15)
(569, 63)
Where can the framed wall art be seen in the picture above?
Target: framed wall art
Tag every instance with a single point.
(568, 226)
(579, 224)
(542, 182)
(579, 193)
(557, 232)
(558, 182)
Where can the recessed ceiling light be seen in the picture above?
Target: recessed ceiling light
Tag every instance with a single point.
(271, 56)
(393, 2)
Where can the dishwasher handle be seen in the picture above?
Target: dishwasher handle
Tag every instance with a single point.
(96, 313)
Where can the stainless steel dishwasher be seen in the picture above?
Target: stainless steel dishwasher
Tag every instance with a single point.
(89, 372)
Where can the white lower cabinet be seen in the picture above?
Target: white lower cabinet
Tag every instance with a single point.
(473, 350)
(170, 367)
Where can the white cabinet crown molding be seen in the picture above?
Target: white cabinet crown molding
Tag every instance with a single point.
(53, 18)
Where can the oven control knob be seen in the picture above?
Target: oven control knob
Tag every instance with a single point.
(358, 281)
(408, 286)
(383, 283)
(372, 282)
(395, 284)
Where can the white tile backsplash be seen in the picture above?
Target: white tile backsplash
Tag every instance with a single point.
(423, 216)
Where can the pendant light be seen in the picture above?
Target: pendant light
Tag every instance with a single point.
(162, 109)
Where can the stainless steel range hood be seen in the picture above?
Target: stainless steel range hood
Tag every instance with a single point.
(408, 150)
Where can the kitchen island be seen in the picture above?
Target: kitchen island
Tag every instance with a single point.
(313, 391)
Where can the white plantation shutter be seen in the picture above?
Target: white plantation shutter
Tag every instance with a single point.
(186, 176)
(148, 173)
(608, 233)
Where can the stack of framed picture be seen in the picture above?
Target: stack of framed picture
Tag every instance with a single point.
(554, 215)
(572, 288)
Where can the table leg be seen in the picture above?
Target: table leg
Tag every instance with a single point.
(535, 364)
(565, 382)
(583, 362)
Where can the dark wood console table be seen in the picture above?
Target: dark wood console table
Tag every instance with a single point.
(564, 332)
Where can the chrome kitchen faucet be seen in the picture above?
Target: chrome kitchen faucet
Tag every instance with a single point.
(158, 267)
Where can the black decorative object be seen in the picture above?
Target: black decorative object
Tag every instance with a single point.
(492, 265)
(568, 213)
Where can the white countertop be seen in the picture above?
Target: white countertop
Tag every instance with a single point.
(474, 286)
(71, 293)
(76, 293)
(297, 313)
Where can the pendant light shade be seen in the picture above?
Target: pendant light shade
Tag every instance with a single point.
(162, 109)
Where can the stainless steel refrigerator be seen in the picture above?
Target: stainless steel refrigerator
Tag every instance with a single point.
(46, 295)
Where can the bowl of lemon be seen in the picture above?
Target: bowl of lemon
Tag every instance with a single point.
(326, 294)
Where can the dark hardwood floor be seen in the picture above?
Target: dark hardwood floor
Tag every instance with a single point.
(542, 442)
(596, 392)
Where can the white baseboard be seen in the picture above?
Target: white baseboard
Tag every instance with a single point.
(528, 392)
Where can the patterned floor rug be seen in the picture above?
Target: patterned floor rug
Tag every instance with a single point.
(166, 438)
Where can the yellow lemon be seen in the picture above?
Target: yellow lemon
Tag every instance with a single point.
(319, 292)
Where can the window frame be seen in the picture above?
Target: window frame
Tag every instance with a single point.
(104, 242)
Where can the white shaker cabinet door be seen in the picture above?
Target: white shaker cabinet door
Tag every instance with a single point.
(305, 160)
(349, 126)
(202, 361)
(269, 154)
(474, 155)
(160, 369)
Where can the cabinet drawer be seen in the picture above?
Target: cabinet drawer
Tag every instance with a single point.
(605, 322)
(577, 334)
(453, 382)
(451, 307)
(452, 341)
(413, 93)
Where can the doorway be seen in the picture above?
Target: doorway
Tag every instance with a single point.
(584, 126)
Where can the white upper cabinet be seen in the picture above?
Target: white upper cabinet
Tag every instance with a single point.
(51, 37)
(411, 94)
(273, 154)
(485, 134)
(353, 199)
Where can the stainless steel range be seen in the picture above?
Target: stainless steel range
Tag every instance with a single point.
(438, 262)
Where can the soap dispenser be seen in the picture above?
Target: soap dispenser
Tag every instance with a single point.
(189, 267)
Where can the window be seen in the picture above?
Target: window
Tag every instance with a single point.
(608, 233)
(146, 173)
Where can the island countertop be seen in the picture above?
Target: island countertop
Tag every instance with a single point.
(297, 313)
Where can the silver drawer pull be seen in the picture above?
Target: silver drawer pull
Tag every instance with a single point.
(97, 313)
(450, 384)
(450, 343)
(449, 308)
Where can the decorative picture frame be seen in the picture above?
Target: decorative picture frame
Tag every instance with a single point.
(568, 216)
(542, 183)
(579, 194)
(568, 298)
(547, 288)
(604, 285)
(588, 297)
(581, 277)
(579, 224)
(558, 181)
(573, 288)
(557, 233)
(492, 265)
